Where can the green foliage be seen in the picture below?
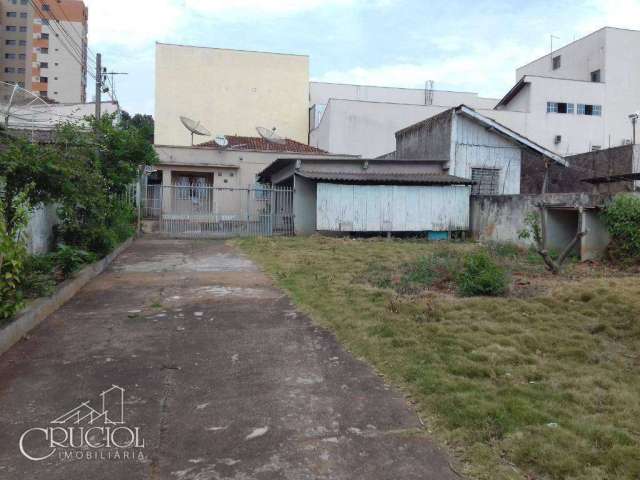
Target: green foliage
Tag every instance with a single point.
(622, 218)
(481, 276)
(533, 229)
(39, 276)
(13, 254)
(70, 259)
(438, 269)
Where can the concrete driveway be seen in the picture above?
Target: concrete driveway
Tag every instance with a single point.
(221, 379)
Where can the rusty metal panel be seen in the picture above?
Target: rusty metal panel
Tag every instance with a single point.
(388, 208)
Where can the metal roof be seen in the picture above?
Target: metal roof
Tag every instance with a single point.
(625, 177)
(385, 178)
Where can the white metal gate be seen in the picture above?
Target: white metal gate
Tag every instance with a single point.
(204, 211)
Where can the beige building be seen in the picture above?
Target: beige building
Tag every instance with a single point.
(44, 47)
(230, 92)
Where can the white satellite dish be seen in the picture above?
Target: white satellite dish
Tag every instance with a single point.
(221, 141)
(270, 135)
(196, 128)
(22, 110)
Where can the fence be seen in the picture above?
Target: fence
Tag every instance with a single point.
(205, 211)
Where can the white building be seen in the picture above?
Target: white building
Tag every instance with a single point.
(576, 99)
(362, 120)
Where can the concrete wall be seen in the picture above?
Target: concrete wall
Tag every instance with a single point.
(40, 229)
(428, 140)
(304, 206)
(230, 92)
(612, 161)
(501, 218)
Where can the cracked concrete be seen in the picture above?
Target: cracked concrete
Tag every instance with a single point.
(223, 377)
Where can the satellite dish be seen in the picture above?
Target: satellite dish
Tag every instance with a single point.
(22, 110)
(221, 141)
(196, 128)
(270, 135)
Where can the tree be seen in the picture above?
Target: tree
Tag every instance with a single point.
(144, 123)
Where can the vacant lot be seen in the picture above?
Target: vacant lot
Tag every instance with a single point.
(542, 383)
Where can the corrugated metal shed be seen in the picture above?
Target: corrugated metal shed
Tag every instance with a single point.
(392, 208)
(385, 178)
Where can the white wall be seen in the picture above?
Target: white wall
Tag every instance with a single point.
(578, 59)
(477, 147)
(392, 208)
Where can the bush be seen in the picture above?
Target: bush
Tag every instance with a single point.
(436, 269)
(622, 218)
(70, 259)
(481, 276)
(13, 253)
(39, 276)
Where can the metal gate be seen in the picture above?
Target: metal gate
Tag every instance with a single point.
(205, 211)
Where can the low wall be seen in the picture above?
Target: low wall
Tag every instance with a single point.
(41, 308)
(500, 218)
(40, 229)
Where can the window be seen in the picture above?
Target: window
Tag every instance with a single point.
(595, 76)
(44, 94)
(23, 29)
(21, 70)
(44, 65)
(12, 14)
(593, 110)
(559, 107)
(43, 50)
(24, 14)
(13, 2)
(46, 7)
(22, 43)
(24, 2)
(44, 21)
(10, 56)
(9, 70)
(44, 79)
(44, 36)
(557, 62)
(11, 28)
(10, 42)
(22, 56)
(486, 180)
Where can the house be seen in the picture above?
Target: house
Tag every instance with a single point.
(473, 146)
(576, 99)
(201, 186)
(372, 195)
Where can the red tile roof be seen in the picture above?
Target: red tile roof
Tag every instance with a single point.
(258, 143)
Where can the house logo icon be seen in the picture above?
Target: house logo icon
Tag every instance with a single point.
(88, 431)
(111, 413)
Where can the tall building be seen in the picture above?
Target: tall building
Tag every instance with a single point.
(231, 92)
(43, 45)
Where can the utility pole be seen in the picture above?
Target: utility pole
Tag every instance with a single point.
(113, 81)
(98, 87)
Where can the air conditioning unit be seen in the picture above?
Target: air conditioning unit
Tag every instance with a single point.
(557, 139)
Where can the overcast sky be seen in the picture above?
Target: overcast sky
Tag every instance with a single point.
(468, 45)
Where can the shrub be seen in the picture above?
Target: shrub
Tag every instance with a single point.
(39, 276)
(438, 268)
(622, 217)
(13, 253)
(70, 259)
(481, 276)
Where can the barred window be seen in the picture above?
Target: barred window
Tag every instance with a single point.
(487, 181)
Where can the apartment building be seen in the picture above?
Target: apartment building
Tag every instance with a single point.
(579, 97)
(574, 100)
(44, 47)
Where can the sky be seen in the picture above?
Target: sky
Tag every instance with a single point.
(464, 45)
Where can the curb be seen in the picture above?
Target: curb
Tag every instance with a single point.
(40, 309)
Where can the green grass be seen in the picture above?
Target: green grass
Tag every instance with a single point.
(544, 386)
